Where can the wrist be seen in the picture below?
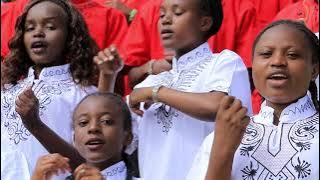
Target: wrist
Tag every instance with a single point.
(150, 67)
(155, 93)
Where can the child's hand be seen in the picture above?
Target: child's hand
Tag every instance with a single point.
(49, 165)
(160, 66)
(137, 96)
(85, 171)
(231, 122)
(109, 61)
(27, 106)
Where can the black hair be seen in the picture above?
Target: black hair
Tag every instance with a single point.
(212, 8)
(79, 51)
(313, 43)
(130, 160)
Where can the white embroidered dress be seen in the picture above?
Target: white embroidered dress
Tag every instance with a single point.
(168, 138)
(289, 151)
(117, 171)
(58, 95)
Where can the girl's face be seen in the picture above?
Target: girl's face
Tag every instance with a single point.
(180, 25)
(99, 133)
(45, 33)
(282, 65)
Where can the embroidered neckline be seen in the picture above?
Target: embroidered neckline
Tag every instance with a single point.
(115, 169)
(301, 109)
(58, 72)
(187, 60)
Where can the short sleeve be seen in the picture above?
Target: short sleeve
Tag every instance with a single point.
(222, 72)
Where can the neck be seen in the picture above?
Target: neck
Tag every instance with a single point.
(105, 164)
(183, 51)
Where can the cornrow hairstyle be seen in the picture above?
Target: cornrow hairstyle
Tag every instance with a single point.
(212, 8)
(79, 51)
(130, 160)
(314, 45)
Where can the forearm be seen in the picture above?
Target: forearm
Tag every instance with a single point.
(137, 74)
(107, 82)
(202, 106)
(220, 165)
(55, 144)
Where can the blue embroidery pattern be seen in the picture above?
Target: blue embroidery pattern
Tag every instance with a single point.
(45, 94)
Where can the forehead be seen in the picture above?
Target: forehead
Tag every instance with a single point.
(181, 3)
(284, 35)
(97, 104)
(46, 9)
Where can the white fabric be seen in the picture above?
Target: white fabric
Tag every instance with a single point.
(168, 138)
(287, 151)
(58, 95)
(117, 171)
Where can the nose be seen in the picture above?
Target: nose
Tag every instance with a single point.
(94, 127)
(39, 32)
(166, 19)
(279, 60)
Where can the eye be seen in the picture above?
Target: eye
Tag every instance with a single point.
(293, 55)
(83, 122)
(178, 12)
(265, 54)
(162, 14)
(29, 28)
(107, 122)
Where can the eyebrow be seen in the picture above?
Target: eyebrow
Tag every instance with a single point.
(45, 19)
(101, 114)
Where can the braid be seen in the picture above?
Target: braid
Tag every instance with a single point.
(314, 94)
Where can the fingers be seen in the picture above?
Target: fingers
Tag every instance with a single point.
(108, 60)
(85, 171)
(52, 164)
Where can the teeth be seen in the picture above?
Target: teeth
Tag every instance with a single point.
(94, 142)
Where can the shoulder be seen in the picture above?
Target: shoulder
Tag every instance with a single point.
(229, 58)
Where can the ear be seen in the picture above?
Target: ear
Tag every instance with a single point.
(128, 138)
(315, 71)
(206, 23)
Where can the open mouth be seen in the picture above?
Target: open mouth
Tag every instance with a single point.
(166, 33)
(95, 144)
(38, 47)
(278, 76)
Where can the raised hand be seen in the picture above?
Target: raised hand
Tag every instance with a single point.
(231, 122)
(84, 172)
(27, 106)
(49, 165)
(109, 61)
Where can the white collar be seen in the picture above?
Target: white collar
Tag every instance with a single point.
(184, 62)
(299, 110)
(61, 72)
(119, 170)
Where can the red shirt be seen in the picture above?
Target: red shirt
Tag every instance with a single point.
(237, 30)
(135, 4)
(106, 25)
(268, 9)
(307, 10)
(143, 39)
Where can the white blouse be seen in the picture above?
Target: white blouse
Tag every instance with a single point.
(57, 94)
(284, 152)
(117, 171)
(168, 138)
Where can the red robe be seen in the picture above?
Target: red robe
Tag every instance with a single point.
(135, 4)
(306, 10)
(268, 9)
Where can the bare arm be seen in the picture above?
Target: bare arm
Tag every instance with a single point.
(203, 106)
(232, 117)
(27, 106)
(110, 64)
